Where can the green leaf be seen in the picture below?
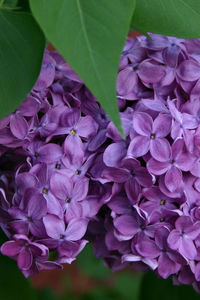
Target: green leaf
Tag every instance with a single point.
(179, 18)
(155, 288)
(21, 50)
(90, 35)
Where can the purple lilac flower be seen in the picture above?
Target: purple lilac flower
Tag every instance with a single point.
(151, 136)
(68, 178)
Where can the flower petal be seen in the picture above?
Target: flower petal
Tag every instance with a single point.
(76, 229)
(25, 259)
(142, 123)
(54, 226)
(173, 179)
(139, 146)
(160, 149)
(11, 248)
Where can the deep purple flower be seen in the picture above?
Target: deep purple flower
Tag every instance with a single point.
(66, 191)
(182, 237)
(67, 177)
(23, 250)
(180, 160)
(151, 136)
(169, 261)
(35, 208)
(132, 175)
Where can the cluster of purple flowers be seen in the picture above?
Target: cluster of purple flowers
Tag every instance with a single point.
(67, 177)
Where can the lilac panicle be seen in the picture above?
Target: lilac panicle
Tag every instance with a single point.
(68, 178)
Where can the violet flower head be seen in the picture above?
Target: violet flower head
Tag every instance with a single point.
(68, 178)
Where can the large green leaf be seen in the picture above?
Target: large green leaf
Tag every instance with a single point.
(169, 17)
(21, 50)
(90, 35)
(159, 289)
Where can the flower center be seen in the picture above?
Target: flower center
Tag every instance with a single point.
(152, 136)
(30, 219)
(142, 227)
(36, 154)
(26, 244)
(45, 191)
(73, 132)
(162, 219)
(78, 172)
(62, 236)
(135, 68)
(67, 200)
(58, 166)
(162, 202)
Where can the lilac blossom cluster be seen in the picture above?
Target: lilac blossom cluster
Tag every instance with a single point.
(67, 177)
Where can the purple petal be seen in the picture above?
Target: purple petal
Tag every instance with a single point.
(97, 140)
(25, 259)
(126, 225)
(174, 239)
(73, 148)
(120, 204)
(61, 185)
(76, 229)
(21, 227)
(80, 189)
(115, 174)
(11, 248)
(150, 72)
(114, 153)
(166, 266)
(133, 190)
(156, 167)
(47, 73)
(24, 181)
(126, 80)
(29, 107)
(147, 248)
(187, 248)
(173, 179)
(50, 153)
(185, 161)
(139, 146)
(18, 126)
(71, 249)
(142, 123)
(37, 206)
(189, 121)
(143, 177)
(70, 118)
(160, 149)
(189, 70)
(53, 205)
(87, 127)
(170, 55)
(162, 125)
(37, 229)
(130, 164)
(54, 226)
